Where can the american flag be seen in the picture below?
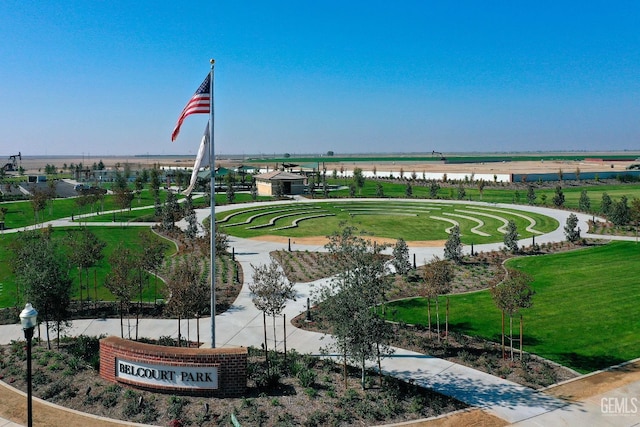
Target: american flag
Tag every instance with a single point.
(199, 103)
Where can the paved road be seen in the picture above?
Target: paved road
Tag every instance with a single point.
(242, 325)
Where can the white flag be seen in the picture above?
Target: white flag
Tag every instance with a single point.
(203, 155)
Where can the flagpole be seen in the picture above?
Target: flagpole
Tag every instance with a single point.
(212, 267)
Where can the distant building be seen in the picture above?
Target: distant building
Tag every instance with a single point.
(292, 183)
(36, 178)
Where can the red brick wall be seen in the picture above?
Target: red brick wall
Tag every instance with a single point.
(231, 364)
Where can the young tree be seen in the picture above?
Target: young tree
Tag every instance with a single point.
(230, 180)
(43, 276)
(138, 185)
(152, 256)
(190, 216)
(434, 187)
(379, 190)
(51, 193)
(188, 290)
(352, 190)
(254, 191)
(350, 302)
(144, 176)
(510, 296)
(605, 204)
(312, 186)
(127, 170)
(461, 192)
(558, 197)
(584, 203)
(85, 252)
(180, 178)
(122, 193)
(634, 213)
(325, 186)
(437, 276)
(620, 214)
(270, 292)
(155, 190)
(481, 184)
(358, 179)
(171, 211)
(408, 191)
(38, 203)
(122, 280)
(571, 229)
(531, 195)
(400, 259)
(511, 237)
(453, 246)
(3, 215)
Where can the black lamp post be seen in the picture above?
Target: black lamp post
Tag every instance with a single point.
(28, 319)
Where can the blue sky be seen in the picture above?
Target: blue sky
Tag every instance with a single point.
(111, 77)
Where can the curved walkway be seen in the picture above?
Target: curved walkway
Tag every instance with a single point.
(241, 325)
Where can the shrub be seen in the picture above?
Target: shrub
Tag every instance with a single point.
(39, 377)
(59, 388)
(87, 349)
(307, 377)
(176, 406)
(316, 418)
(311, 392)
(109, 397)
(137, 407)
(18, 348)
(264, 379)
(504, 371)
(417, 404)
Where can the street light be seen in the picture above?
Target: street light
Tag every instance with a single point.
(28, 319)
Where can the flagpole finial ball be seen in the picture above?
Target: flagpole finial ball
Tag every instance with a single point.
(212, 61)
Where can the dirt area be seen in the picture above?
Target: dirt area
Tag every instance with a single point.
(301, 390)
(591, 385)
(13, 408)
(33, 163)
(321, 241)
(491, 167)
(473, 417)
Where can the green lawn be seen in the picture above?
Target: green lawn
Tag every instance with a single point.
(585, 314)
(497, 193)
(20, 214)
(393, 219)
(111, 235)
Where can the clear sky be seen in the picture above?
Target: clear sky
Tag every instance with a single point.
(111, 77)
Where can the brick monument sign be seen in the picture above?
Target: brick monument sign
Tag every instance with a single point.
(193, 371)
